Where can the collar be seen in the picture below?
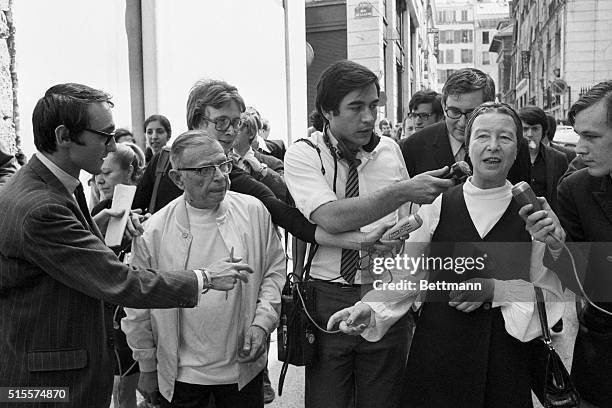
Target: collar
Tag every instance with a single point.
(69, 182)
(495, 193)
(250, 151)
(455, 144)
(366, 152)
(182, 218)
(262, 144)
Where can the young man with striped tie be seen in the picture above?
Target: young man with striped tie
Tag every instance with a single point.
(343, 179)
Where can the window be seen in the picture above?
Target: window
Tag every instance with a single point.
(446, 16)
(463, 36)
(447, 37)
(486, 60)
(441, 58)
(400, 8)
(464, 15)
(485, 37)
(466, 56)
(450, 56)
(442, 76)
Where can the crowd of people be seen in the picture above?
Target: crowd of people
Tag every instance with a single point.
(183, 309)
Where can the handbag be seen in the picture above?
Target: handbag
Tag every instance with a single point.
(550, 380)
(297, 340)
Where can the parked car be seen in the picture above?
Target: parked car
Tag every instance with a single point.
(566, 136)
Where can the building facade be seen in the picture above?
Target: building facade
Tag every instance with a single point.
(393, 38)
(502, 46)
(9, 142)
(466, 29)
(562, 48)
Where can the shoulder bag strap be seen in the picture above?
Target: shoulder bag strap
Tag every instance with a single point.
(160, 169)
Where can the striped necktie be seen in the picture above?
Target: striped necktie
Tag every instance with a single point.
(350, 257)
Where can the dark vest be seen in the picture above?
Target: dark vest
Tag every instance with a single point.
(469, 360)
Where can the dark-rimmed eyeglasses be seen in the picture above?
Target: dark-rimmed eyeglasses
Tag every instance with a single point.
(108, 136)
(223, 123)
(208, 170)
(421, 115)
(455, 113)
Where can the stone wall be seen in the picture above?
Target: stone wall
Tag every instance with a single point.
(8, 81)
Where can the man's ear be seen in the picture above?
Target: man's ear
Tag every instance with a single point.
(175, 176)
(62, 135)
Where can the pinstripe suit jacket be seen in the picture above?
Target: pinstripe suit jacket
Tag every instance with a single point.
(54, 274)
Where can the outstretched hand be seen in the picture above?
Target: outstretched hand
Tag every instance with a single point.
(425, 187)
(544, 225)
(225, 273)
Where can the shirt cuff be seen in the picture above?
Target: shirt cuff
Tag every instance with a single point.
(510, 291)
(555, 253)
(200, 279)
(147, 366)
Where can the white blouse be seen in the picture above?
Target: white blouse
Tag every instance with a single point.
(485, 207)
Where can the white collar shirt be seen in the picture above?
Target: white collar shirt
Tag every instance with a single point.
(310, 188)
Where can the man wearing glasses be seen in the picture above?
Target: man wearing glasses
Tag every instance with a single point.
(218, 348)
(442, 144)
(425, 109)
(55, 269)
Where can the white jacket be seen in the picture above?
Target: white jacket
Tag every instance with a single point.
(244, 224)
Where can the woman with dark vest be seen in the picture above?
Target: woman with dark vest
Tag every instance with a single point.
(472, 346)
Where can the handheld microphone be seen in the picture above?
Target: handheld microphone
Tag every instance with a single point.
(523, 195)
(403, 228)
(459, 172)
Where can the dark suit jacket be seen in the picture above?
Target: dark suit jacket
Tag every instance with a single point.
(585, 211)
(54, 274)
(428, 149)
(272, 162)
(556, 164)
(277, 148)
(569, 153)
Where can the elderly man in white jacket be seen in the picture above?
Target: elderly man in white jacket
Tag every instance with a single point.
(219, 347)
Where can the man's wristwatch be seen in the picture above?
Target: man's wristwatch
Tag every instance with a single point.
(206, 274)
(260, 173)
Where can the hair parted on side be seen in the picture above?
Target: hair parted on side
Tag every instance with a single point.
(64, 104)
(467, 80)
(340, 79)
(210, 92)
(601, 91)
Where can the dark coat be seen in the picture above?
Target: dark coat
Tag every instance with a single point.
(585, 211)
(569, 153)
(428, 149)
(55, 270)
(556, 165)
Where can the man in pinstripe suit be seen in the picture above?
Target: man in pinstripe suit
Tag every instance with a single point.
(55, 268)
